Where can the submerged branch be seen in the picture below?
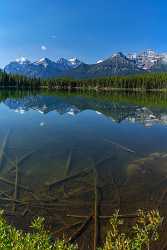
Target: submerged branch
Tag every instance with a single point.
(3, 147)
(80, 230)
(120, 146)
(70, 177)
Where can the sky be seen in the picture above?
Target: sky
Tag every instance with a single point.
(89, 29)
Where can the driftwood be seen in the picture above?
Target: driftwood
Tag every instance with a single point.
(162, 197)
(21, 160)
(71, 194)
(70, 177)
(96, 210)
(68, 227)
(123, 216)
(68, 164)
(42, 204)
(16, 187)
(77, 216)
(12, 200)
(108, 157)
(163, 181)
(12, 163)
(3, 147)
(74, 237)
(68, 167)
(120, 146)
(26, 211)
(25, 157)
(13, 184)
(164, 246)
(11, 213)
(4, 194)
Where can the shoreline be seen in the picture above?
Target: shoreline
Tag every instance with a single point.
(97, 89)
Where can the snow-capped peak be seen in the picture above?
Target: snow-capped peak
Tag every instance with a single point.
(118, 54)
(62, 61)
(99, 61)
(43, 61)
(71, 63)
(22, 60)
(74, 62)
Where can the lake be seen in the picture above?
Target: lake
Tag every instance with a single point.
(71, 156)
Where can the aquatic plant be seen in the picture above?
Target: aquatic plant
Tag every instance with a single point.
(140, 236)
(144, 232)
(38, 239)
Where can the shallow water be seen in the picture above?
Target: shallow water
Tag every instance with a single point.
(55, 135)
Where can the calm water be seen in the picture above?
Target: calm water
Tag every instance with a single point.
(52, 136)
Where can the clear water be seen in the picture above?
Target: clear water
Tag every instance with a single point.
(107, 132)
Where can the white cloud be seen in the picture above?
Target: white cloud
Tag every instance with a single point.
(43, 47)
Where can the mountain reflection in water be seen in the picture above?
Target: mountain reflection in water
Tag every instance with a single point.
(72, 106)
(63, 147)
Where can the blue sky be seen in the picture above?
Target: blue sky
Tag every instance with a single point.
(89, 29)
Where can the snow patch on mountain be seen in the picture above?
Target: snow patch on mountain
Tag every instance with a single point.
(22, 60)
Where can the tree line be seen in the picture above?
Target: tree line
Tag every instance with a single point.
(149, 81)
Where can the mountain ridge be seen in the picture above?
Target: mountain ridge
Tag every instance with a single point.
(117, 64)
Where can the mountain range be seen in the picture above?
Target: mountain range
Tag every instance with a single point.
(117, 64)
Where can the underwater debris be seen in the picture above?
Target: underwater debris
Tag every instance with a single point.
(96, 209)
(16, 187)
(80, 230)
(106, 158)
(68, 227)
(120, 146)
(13, 184)
(3, 148)
(68, 178)
(21, 160)
(68, 164)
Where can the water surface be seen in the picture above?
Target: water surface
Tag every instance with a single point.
(47, 137)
